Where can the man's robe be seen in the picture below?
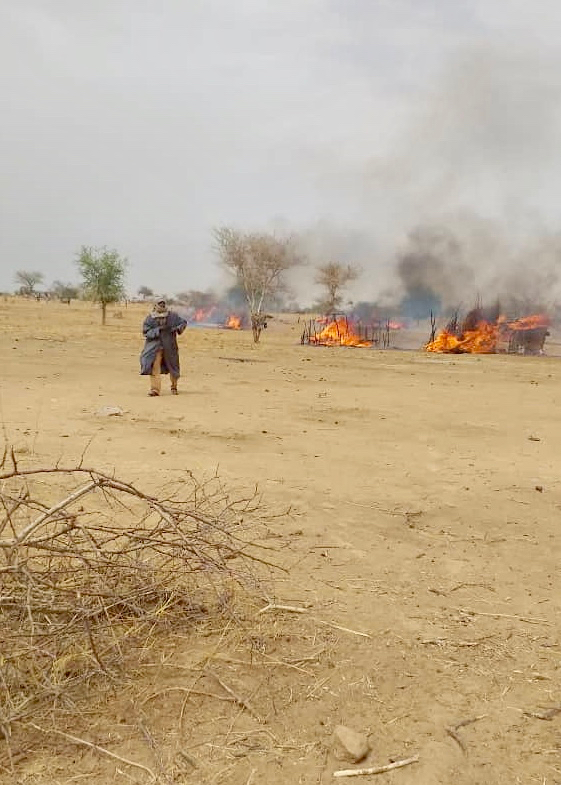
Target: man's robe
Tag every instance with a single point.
(162, 336)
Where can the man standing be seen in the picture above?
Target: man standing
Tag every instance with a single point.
(160, 353)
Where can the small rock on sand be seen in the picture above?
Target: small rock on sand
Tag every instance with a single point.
(110, 411)
(350, 745)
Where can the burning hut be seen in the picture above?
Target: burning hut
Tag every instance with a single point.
(524, 336)
(479, 334)
(339, 330)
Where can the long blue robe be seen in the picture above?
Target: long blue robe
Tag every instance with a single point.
(164, 337)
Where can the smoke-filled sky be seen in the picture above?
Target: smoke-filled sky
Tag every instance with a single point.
(141, 124)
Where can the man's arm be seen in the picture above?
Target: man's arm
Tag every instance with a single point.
(150, 329)
(179, 324)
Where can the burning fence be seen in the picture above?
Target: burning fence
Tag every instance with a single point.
(480, 335)
(339, 330)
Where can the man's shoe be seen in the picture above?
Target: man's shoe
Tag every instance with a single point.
(174, 391)
(153, 394)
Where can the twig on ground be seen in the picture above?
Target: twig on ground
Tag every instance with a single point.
(297, 609)
(250, 778)
(547, 714)
(244, 704)
(343, 629)
(398, 764)
(459, 644)
(469, 612)
(185, 702)
(398, 718)
(188, 691)
(200, 675)
(6, 734)
(465, 585)
(452, 730)
(464, 723)
(271, 664)
(92, 746)
(225, 698)
(452, 733)
(288, 608)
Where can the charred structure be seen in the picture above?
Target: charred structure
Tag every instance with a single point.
(340, 330)
(491, 332)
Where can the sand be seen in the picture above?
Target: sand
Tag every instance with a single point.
(415, 518)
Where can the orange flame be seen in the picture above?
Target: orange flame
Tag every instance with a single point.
(233, 322)
(203, 314)
(482, 340)
(339, 333)
(538, 320)
(485, 337)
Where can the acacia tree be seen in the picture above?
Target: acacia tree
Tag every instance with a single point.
(145, 291)
(65, 291)
(259, 262)
(103, 276)
(28, 280)
(334, 276)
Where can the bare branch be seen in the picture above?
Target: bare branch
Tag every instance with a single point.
(84, 591)
(333, 277)
(259, 262)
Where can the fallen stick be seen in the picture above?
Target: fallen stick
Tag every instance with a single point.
(234, 697)
(240, 359)
(503, 616)
(547, 714)
(452, 733)
(460, 644)
(297, 609)
(453, 730)
(288, 608)
(344, 629)
(92, 746)
(271, 664)
(189, 691)
(464, 723)
(398, 764)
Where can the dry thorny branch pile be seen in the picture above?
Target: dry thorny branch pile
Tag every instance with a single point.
(92, 569)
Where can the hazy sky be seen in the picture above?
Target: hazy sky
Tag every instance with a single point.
(141, 124)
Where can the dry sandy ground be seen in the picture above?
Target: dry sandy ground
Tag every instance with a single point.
(415, 519)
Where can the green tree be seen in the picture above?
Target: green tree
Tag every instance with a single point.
(103, 276)
(28, 280)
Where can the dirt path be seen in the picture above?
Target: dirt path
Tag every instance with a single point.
(416, 519)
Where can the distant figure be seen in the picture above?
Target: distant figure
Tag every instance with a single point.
(160, 353)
